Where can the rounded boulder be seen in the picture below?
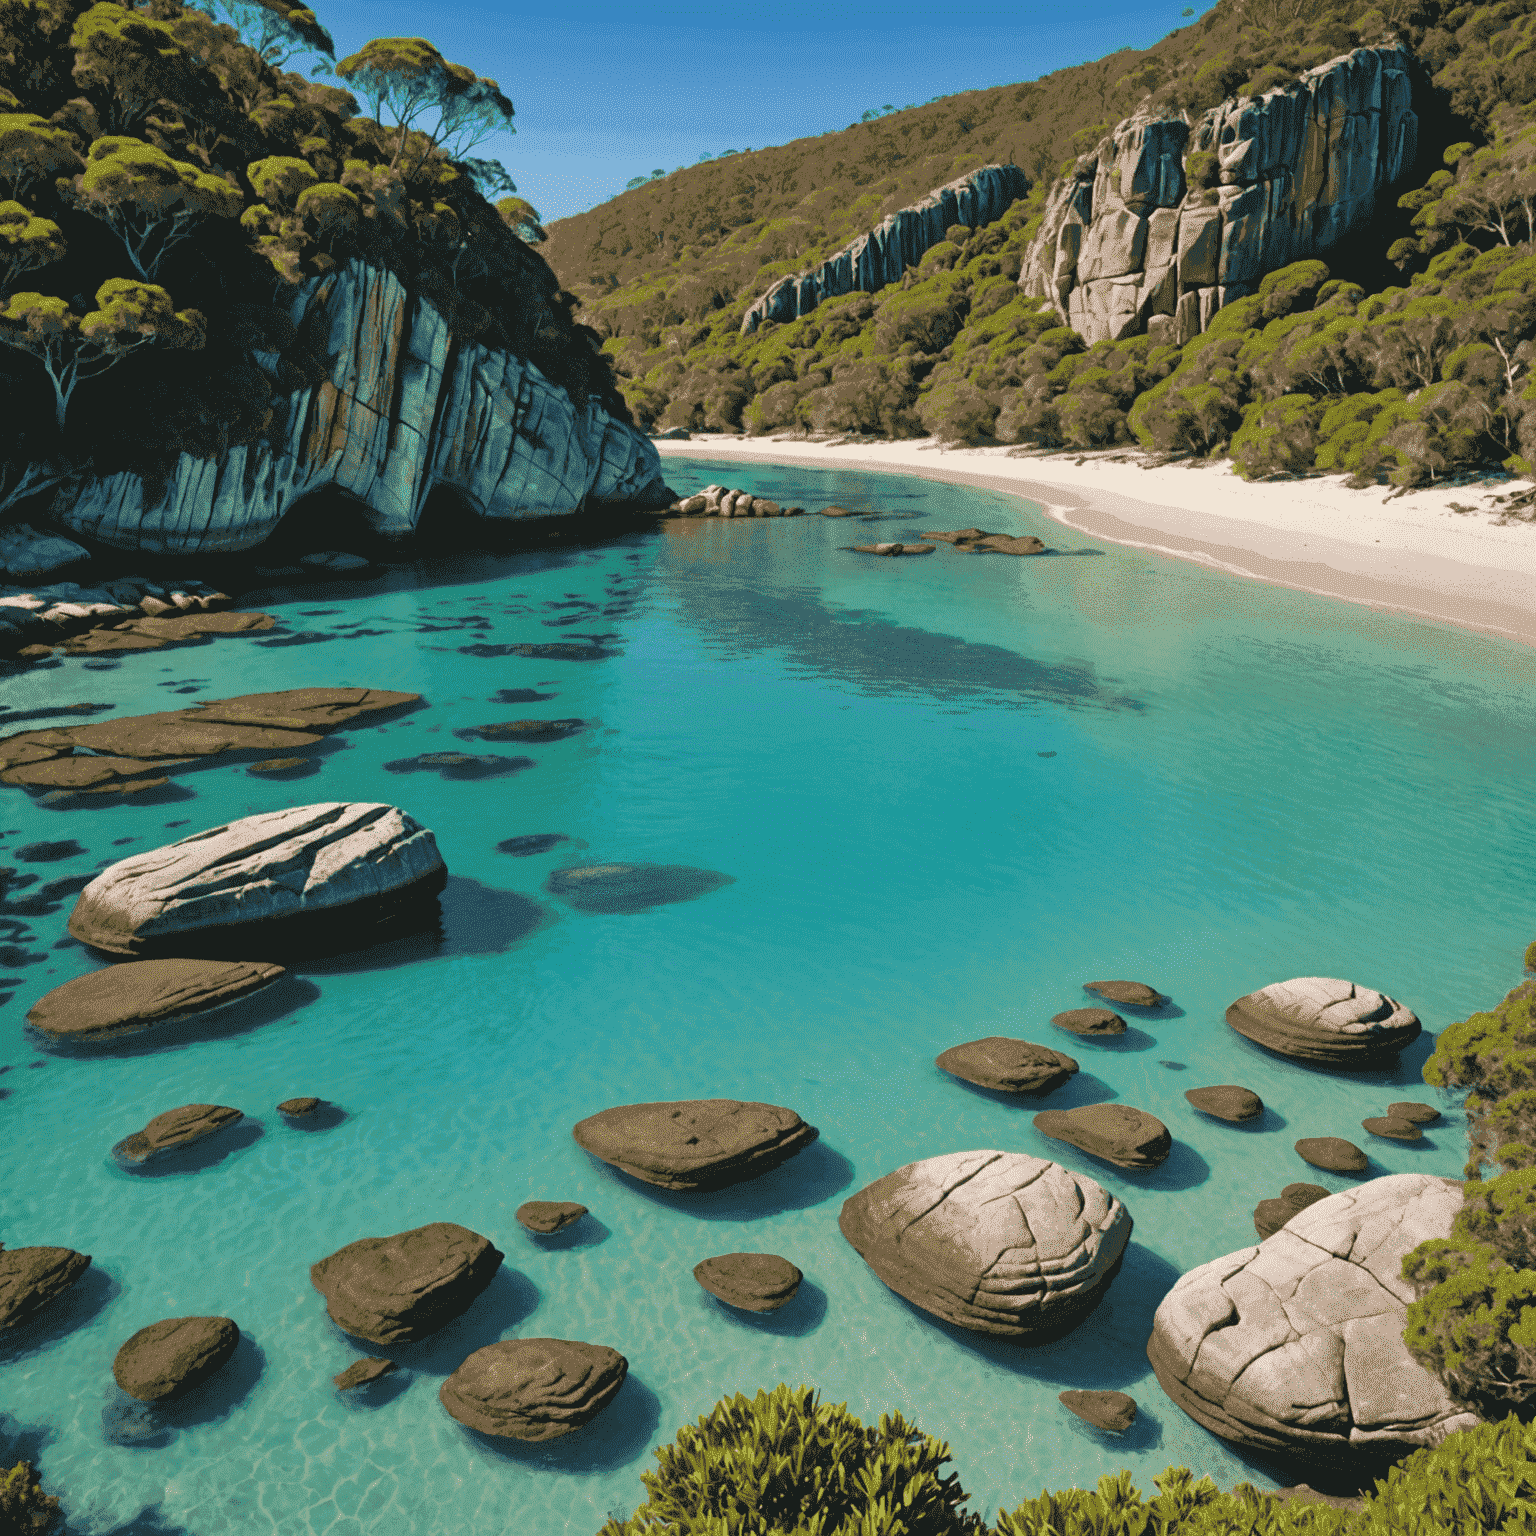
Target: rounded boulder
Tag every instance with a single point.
(1119, 1133)
(1325, 1020)
(754, 1282)
(1226, 1101)
(533, 1389)
(1089, 1021)
(1135, 994)
(167, 1359)
(174, 1129)
(1007, 1065)
(1332, 1153)
(32, 1277)
(123, 999)
(547, 1216)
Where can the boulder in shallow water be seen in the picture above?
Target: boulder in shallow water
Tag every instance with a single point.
(533, 1389)
(1270, 1215)
(1007, 1065)
(548, 1216)
(143, 994)
(999, 1242)
(1295, 1346)
(1135, 994)
(393, 1289)
(1420, 1114)
(1323, 1019)
(754, 1282)
(1119, 1133)
(167, 1359)
(695, 1143)
(1332, 1153)
(297, 1109)
(1392, 1128)
(1112, 1411)
(175, 1129)
(1227, 1101)
(32, 1277)
(361, 1372)
(338, 868)
(1089, 1021)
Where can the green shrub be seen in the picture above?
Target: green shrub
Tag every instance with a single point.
(1277, 437)
(25, 1510)
(785, 1464)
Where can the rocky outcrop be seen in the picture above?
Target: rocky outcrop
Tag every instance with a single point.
(405, 1287)
(32, 1277)
(1119, 1133)
(332, 864)
(754, 1282)
(724, 501)
(695, 1143)
(1128, 244)
(533, 1389)
(1296, 1345)
(144, 993)
(405, 408)
(999, 1242)
(1326, 1020)
(896, 243)
(167, 1359)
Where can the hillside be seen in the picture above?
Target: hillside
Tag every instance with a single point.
(1405, 354)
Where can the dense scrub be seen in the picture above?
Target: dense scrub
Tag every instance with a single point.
(164, 184)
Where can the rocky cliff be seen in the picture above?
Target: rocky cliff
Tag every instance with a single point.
(1168, 220)
(881, 256)
(405, 409)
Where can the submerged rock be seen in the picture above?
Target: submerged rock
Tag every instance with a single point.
(632, 888)
(142, 994)
(32, 1277)
(998, 1242)
(174, 1129)
(754, 1282)
(533, 1389)
(167, 1359)
(339, 867)
(1120, 1134)
(695, 1143)
(525, 730)
(1296, 1346)
(1323, 1019)
(1007, 1065)
(1112, 1411)
(393, 1289)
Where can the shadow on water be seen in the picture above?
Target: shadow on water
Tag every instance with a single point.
(803, 1313)
(1165, 1010)
(1132, 1039)
(325, 1117)
(1406, 1071)
(1269, 1120)
(127, 1422)
(1081, 1088)
(284, 997)
(629, 889)
(81, 1304)
(207, 1153)
(150, 1521)
(620, 1434)
(588, 1232)
(807, 1179)
(376, 1393)
(1183, 1169)
(1145, 1434)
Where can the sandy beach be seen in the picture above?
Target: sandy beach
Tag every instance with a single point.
(1447, 553)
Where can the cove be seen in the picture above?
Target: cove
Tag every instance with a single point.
(889, 806)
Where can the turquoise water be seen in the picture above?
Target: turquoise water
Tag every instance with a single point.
(946, 792)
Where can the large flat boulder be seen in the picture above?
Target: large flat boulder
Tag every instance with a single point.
(32, 1277)
(754, 1282)
(175, 1129)
(404, 1287)
(1007, 1065)
(349, 866)
(167, 1359)
(1326, 1020)
(142, 993)
(533, 1389)
(1119, 1133)
(695, 1143)
(1296, 1346)
(998, 1242)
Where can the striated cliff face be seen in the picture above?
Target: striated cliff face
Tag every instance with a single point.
(405, 409)
(881, 256)
(1129, 245)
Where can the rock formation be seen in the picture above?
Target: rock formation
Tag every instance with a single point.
(32, 1277)
(1132, 242)
(300, 1108)
(547, 1216)
(1226, 1101)
(1332, 1153)
(1089, 1021)
(1112, 1411)
(393, 1289)
(1270, 1215)
(1119, 1133)
(175, 1129)
(1135, 994)
(405, 408)
(998, 1242)
(1326, 1020)
(695, 1143)
(145, 993)
(1392, 1128)
(329, 865)
(723, 501)
(754, 1282)
(361, 1372)
(1420, 1114)
(533, 1389)
(167, 1359)
(1008, 1065)
(896, 243)
(1296, 1345)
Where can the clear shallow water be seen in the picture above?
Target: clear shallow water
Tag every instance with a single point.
(946, 792)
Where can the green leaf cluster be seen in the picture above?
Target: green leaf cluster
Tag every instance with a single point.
(25, 1510)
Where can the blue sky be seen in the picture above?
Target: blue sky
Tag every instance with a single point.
(605, 92)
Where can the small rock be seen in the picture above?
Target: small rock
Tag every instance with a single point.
(278, 765)
(361, 1372)
(174, 1129)
(1089, 1021)
(1135, 993)
(1119, 1133)
(1112, 1411)
(533, 1389)
(526, 730)
(32, 1277)
(296, 1109)
(835, 511)
(546, 1216)
(1332, 1153)
(894, 549)
(167, 1359)
(1227, 1101)
(1392, 1128)
(1420, 1114)
(754, 1282)
(1270, 1215)
(1010, 1066)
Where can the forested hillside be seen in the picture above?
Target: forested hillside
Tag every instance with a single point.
(1407, 355)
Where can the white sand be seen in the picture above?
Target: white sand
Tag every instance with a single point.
(1414, 553)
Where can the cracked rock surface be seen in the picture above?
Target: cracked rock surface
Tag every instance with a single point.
(999, 1242)
(533, 1389)
(1296, 1346)
(1325, 1019)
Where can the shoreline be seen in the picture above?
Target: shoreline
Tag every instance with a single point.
(1444, 554)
